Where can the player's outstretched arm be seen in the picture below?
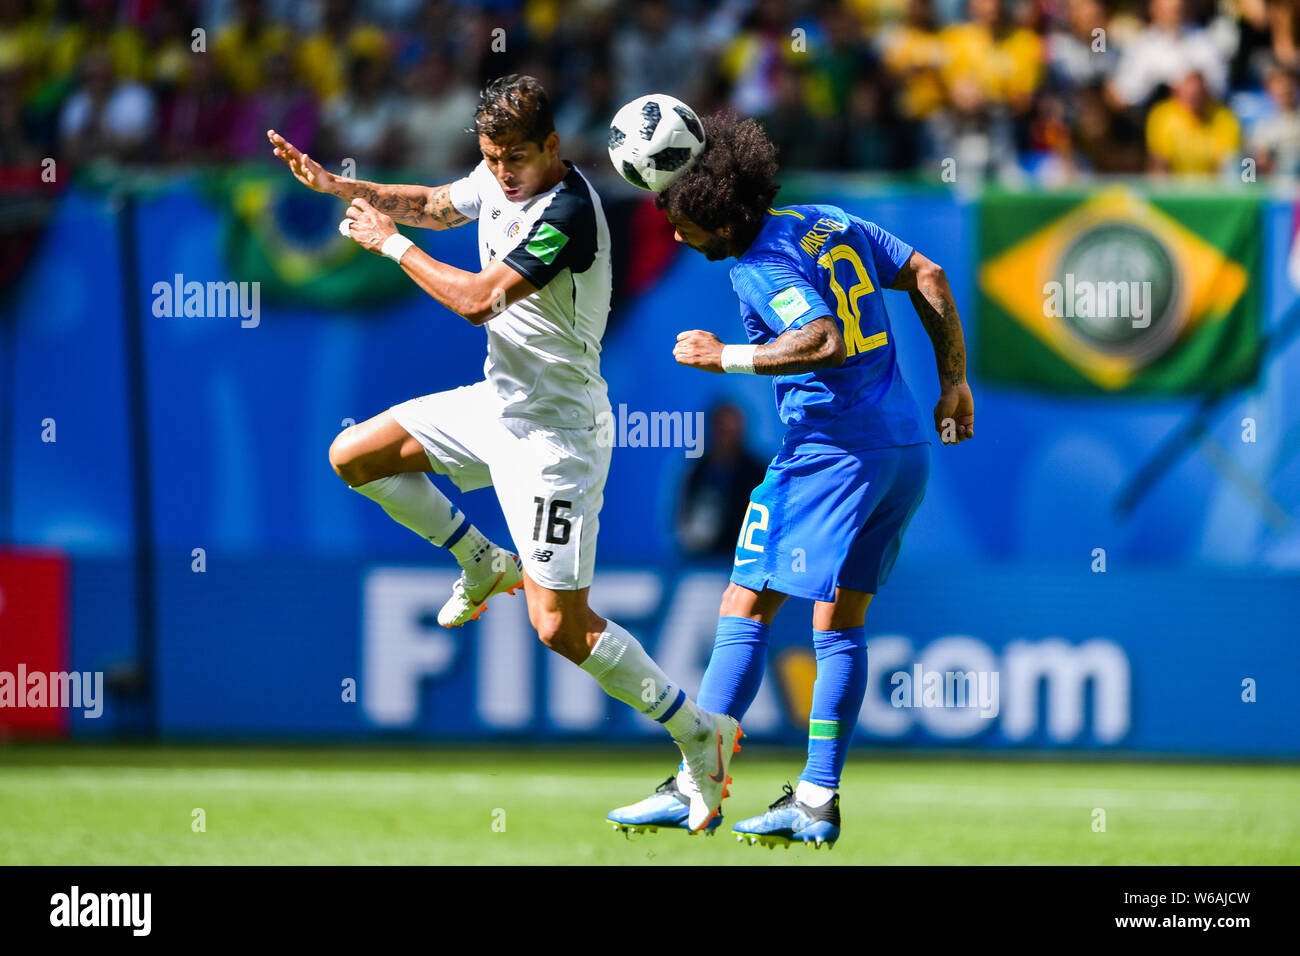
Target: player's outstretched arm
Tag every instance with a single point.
(818, 344)
(428, 207)
(476, 296)
(927, 285)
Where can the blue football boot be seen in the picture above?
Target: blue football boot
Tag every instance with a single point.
(667, 807)
(789, 821)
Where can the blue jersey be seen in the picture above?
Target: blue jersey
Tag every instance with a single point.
(814, 261)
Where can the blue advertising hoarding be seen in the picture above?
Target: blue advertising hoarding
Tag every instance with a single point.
(307, 585)
(1068, 658)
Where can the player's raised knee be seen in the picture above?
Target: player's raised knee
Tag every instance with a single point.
(348, 462)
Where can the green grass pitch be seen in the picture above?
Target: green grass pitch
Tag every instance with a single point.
(77, 805)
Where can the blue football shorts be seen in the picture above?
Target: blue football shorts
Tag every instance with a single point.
(821, 521)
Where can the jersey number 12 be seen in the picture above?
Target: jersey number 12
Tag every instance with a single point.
(847, 303)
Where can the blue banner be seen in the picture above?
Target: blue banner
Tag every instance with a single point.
(1067, 659)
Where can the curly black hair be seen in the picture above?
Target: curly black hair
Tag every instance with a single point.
(514, 106)
(732, 181)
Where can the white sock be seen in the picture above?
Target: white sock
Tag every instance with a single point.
(811, 794)
(627, 673)
(415, 502)
(472, 552)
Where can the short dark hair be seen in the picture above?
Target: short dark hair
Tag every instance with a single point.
(731, 182)
(514, 105)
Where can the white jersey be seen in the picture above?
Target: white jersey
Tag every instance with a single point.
(543, 356)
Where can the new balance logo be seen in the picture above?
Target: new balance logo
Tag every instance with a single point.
(540, 555)
(495, 212)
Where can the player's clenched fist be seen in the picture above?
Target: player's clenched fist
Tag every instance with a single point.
(369, 227)
(702, 350)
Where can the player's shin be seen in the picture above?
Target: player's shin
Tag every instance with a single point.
(736, 665)
(837, 698)
(415, 502)
(707, 741)
(627, 673)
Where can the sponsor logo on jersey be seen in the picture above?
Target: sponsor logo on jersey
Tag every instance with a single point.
(512, 230)
(547, 243)
(789, 304)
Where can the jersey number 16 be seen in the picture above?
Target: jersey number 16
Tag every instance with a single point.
(557, 528)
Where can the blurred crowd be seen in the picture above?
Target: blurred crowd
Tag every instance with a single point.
(1046, 90)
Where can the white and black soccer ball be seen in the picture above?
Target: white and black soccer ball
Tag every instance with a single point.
(654, 139)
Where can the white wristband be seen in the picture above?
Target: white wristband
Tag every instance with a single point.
(395, 246)
(738, 358)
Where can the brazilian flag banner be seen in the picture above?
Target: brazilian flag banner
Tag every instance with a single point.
(281, 234)
(1116, 292)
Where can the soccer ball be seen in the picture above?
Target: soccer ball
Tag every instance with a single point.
(654, 139)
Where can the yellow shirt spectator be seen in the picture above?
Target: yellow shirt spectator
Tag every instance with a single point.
(915, 57)
(124, 45)
(323, 66)
(1188, 143)
(23, 46)
(241, 57)
(875, 13)
(1005, 69)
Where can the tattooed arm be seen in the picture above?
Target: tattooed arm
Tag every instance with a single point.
(819, 344)
(927, 285)
(428, 207)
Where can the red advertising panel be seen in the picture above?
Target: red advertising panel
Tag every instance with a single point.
(33, 642)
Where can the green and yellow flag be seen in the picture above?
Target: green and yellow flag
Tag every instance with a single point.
(285, 237)
(1114, 292)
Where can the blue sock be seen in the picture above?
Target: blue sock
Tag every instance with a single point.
(837, 697)
(735, 669)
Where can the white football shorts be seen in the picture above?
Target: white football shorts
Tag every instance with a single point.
(550, 481)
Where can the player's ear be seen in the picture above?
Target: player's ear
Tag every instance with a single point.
(551, 145)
